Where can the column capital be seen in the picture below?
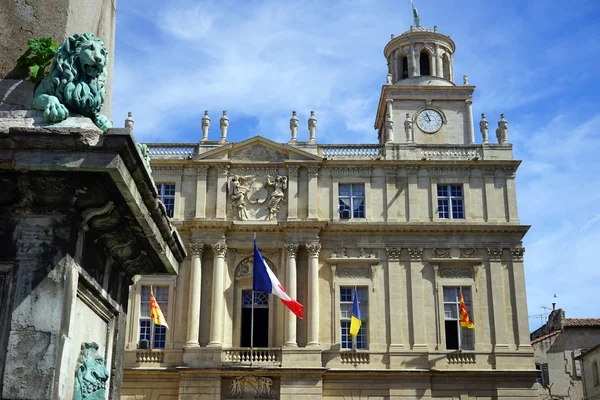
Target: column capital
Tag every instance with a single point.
(490, 171)
(202, 169)
(291, 249)
(495, 253)
(389, 101)
(293, 170)
(222, 169)
(393, 253)
(219, 249)
(517, 253)
(390, 172)
(412, 171)
(313, 170)
(510, 172)
(313, 249)
(197, 249)
(469, 101)
(415, 253)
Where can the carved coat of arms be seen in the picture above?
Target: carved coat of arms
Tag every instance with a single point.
(252, 387)
(256, 197)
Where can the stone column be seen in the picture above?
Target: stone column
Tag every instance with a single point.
(396, 282)
(438, 62)
(490, 191)
(391, 199)
(216, 318)
(313, 173)
(511, 193)
(451, 67)
(292, 192)
(313, 293)
(201, 191)
(470, 129)
(389, 122)
(413, 195)
(416, 298)
(291, 278)
(412, 61)
(497, 288)
(518, 270)
(221, 211)
(193, 328)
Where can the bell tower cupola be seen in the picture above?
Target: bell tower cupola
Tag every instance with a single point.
(420, 56)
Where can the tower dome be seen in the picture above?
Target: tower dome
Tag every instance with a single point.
(420, 57)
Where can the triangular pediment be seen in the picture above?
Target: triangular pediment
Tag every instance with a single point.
(258, 149)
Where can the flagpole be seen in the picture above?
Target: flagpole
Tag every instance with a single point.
(459, 327)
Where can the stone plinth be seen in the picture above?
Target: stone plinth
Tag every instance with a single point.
(79, 217)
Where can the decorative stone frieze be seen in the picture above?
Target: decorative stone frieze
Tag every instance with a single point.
(468, 253)
(450, 152)
(489, 171)
(415, 253)
(219, 249)
(390, 172)
(353, 273)
(363, 172)
(293, 170)
(202, 169)
(449, 172)
(494, 253)
(167, 171)
(291, 250)
(441, 253)
(517, 253)
(393, 253)
(251, 387)
(313, 249)
(197, 249)
(254, 171)
(412, 171)
(456, 273)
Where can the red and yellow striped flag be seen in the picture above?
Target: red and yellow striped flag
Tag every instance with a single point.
(155, 312)
(464, 315)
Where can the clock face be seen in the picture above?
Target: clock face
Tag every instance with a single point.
(429, 120)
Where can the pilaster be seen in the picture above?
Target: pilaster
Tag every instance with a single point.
(396, 280)
(313, 173)
(201, 172)
(313, 250)
(221, 211)
(416, 296)
(292, 199)
(391, 191)
(498, 300)
(511, 194)
(490, 191)
(518, 270)
(413, 195)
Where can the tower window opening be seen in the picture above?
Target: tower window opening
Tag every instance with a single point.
(404, 67)
(446, 67)
(424, 63)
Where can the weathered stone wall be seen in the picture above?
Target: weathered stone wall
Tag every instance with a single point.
(59, 19)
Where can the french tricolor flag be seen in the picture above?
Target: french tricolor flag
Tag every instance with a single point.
(264, 280)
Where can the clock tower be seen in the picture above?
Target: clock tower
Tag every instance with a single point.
(421, 103)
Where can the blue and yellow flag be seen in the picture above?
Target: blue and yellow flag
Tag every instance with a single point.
(355, 321)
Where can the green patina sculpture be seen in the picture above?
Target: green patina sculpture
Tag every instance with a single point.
(145, 152)
(75, 82)
(91, 374)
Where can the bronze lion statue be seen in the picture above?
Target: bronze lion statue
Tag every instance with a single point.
(91, 374)
(75, 82)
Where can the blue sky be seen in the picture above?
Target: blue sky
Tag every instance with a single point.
(537, 61)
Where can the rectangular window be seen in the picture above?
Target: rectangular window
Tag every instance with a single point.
(166, 194)
(457, 337)
(351, 200)
(595, 373)
(156, 335)
(451, 204)
(346, 299)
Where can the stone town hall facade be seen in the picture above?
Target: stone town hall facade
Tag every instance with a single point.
(409, 222)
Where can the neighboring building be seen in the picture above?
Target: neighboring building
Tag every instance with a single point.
(590, 360)
(557, 344)
(410, 221)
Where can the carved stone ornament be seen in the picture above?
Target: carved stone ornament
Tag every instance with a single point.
(354, 273)
(313, 249)
(363, 172)
(366, 254)
(517, 253)
(219, 249)
(510, 172)
(202, 170)
(244, 268)
(415, 253)
(293, 170)
(412, 171)
(393, 253)
(197, 249)
(390, 172)
(251, 387)
(494, 253)
(456, 273)
(256, 197)
(489, 171)
(291, 250)
(91, 374)
(257, 152)
(341, 253)
(441, 253)
(468, 253)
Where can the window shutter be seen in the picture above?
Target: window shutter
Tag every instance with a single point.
(545, 375)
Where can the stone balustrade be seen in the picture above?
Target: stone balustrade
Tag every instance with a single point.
(348, 357)
(147, 357)
(172, 150)
(450, 152)
(350, 151)
(256, 356)
(461, 358)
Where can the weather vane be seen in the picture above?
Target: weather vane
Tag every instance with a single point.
(415, 14)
